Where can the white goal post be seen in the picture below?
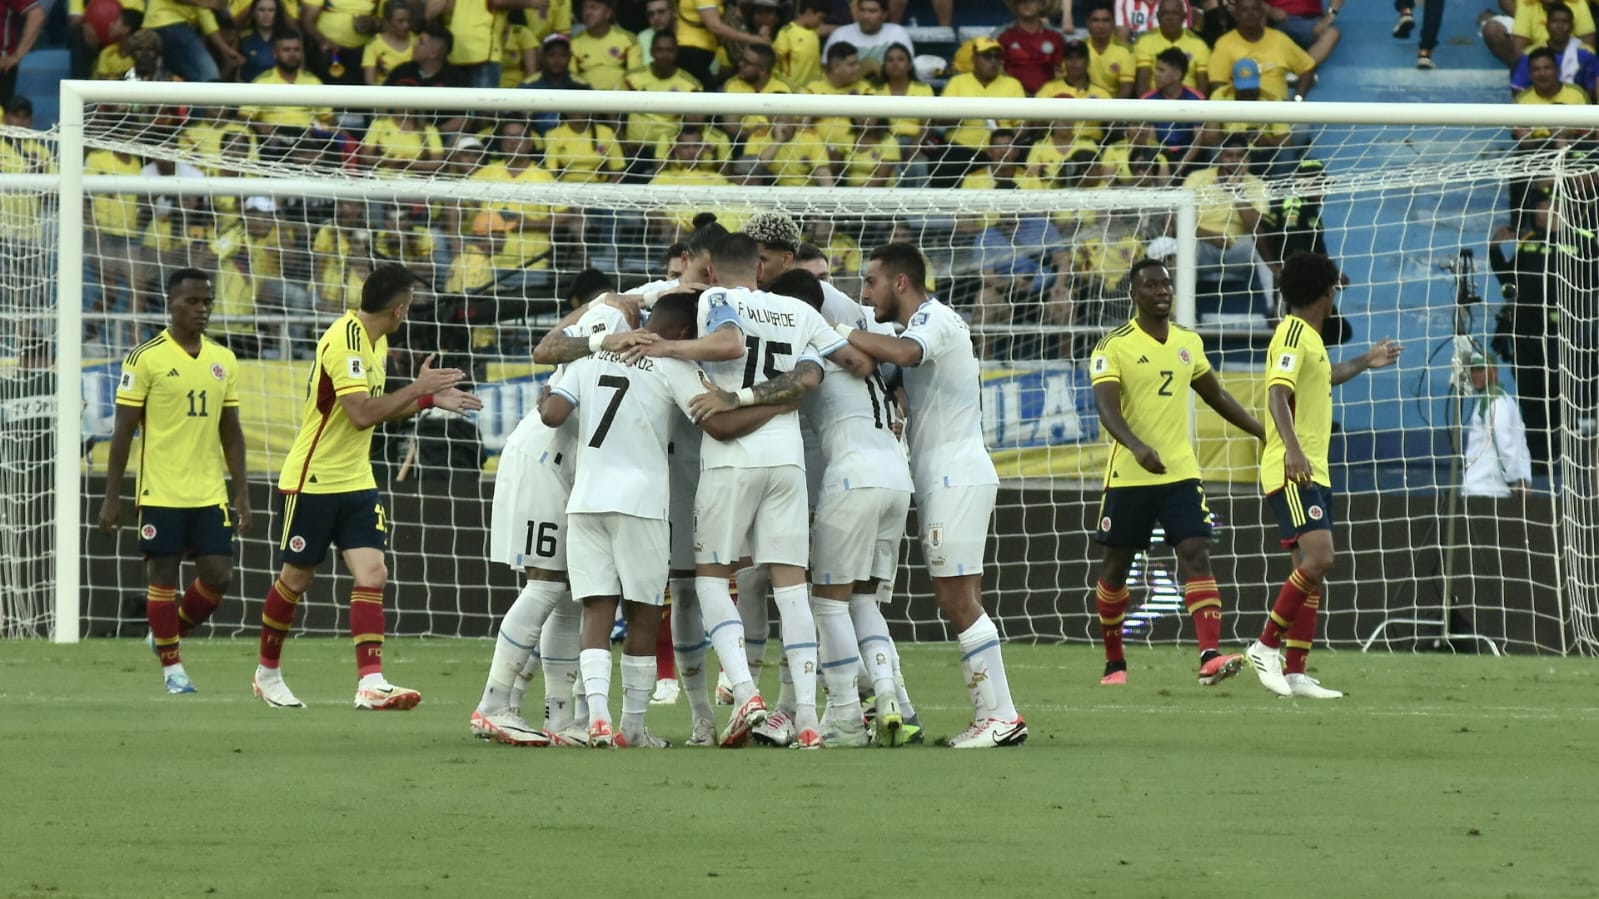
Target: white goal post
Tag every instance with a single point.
(1446, 165)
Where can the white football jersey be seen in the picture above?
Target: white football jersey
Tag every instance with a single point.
(839, 308)
(853, 420)
(625, 417)
(778, 332)
(945, 395)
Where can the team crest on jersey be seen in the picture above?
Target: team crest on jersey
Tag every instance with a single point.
(1286, 362)
(218, 372)
(357, 367)
(1183, 355)
(127, 381)
(598, 328)
(935, 536)
(147, 532)
(1104, 523)
(919, 318)
(1315, 513)
(297, 543)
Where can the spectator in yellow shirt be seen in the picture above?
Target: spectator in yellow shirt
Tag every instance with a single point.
(603, 51)
(662, 17)
(645, 129)
(187, 28)
(1231, 202)
(1171, 17)
(394, 44)
(753, 75)
(525, 262)
(1543, 70)
(473, 268)
(842, 77)
(403, 143)
(582, 151)
(519, 51)
(1275, 53)
(792, 153)
(967, 138)
(799, 46)
(701, 31)
(898, 79)
(477, 28)
(1110, 64)
(283, 127)
(338, 32)
(874, 161)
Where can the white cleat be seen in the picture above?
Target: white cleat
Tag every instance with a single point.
(666, 692)
(990, 734)
(845, 734)
(1306, 687)
(644, 740)
(270, 689)
(575, 736)
(776, 730)
(1268, 664)
(704, 733)
(386, 698)
(507, 728)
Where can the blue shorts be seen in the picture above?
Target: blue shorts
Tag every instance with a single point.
(1302, 29)
(1301, 510)
(308, 523)
(201, 531)
(1127, 515)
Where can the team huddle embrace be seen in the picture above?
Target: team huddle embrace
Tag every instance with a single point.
(742, 419)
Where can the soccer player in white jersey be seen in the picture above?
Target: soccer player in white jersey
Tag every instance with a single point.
(955, 479)
(617, 514)
(752, 490)
(528, 532)
(860, 519)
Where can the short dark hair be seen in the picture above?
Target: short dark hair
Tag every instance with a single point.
(439, 32)
(765, 52)
(1074, 48)
(799, 284)
(588, 284)
(19, 105)
(902, 259)
(286, 34)
(738, 251)
(880, 3)
(1558, 9)
(384, 287)
(1140, 265)
(1542, 53)
(675, 250)
(841, 51)
(821, 6)
(807, 252)
(1175, 58)
(673, 310)
(1306, 278)
(707, 232)
(1234, 142)
(186, 274)
(668, 35)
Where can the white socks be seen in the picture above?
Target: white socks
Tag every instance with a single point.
(753, 582)
(839, 657)
(638, 682)
(558, 648)
(691, 648)
(596, 667)
(981, 654)
(799, 649)
(877, 647)
(726, 632)
(518, 642)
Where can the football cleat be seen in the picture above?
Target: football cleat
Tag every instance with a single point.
(776, 730)
(809, 738)
(911, 732)
(724, 690)
(990, 734)
(1219, 669)
(573, 737)
(846, 735)
(507, 728)
(746, 718)
(273, 691)
(178, 682)
(1268, 664)
(387, 698)
(1114, 678)
(602, 737)
(666, 692)
(703, 734)
(645, 740)
(889, 723)
(1307, 687)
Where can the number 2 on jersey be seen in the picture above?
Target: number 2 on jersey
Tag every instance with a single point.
(620, 385)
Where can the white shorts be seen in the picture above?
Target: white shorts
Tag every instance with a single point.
(954, 524)
(759, 512)
(857, 534)
(611, 554)
(527, 518)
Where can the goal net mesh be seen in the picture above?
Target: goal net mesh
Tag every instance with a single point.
(499, 212)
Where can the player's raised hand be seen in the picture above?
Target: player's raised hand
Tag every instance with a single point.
(110, 514)
(241, 510)
(645, 350)
(453, 399)
(430, 380)
(712, 401)
(1147, 457)
(1384, 354)
(619, 342)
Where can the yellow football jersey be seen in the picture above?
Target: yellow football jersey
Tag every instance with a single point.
(1156, 378)
(1297, 359)
(330, 454)
(180, 453)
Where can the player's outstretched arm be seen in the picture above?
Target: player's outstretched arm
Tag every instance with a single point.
(1280, 406)
(735, 424)
(787, 387)
(366, 411)
(722, 345)
(234, 452)
(557, 347)
(127, 421)
(901, 351)
(1384, 354)
(1108, 399)
(1209, 388)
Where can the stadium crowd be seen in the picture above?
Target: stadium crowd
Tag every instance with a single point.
(497, 261)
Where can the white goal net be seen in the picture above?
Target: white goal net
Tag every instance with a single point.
(505, 203)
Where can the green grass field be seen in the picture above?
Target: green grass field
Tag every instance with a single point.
(1439, 776)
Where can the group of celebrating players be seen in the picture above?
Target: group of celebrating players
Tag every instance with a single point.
(742, 418)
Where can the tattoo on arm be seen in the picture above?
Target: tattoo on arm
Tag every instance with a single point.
(785, 388)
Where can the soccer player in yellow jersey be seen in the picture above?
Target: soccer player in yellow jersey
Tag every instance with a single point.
(329, 496)
(1142, 373)
(181, 389)
(1294, 471)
